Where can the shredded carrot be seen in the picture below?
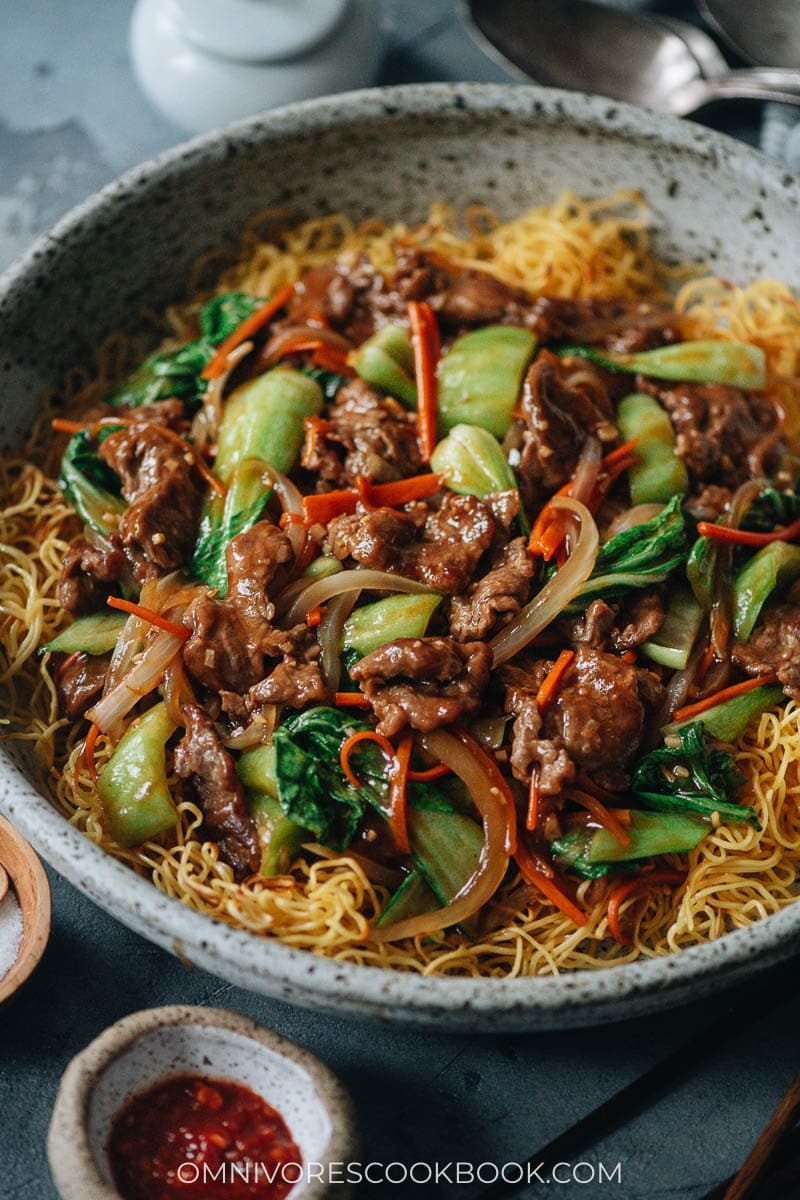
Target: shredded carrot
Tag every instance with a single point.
(629, 888)
(314, 616)
(744, 537)
(351, 700)
(552, 681)
(620, 452)
(363, 735)
(147, 614)
(541, 875)
(534, 800)
(629, 657)
(88, 752)
(608, 818)
(398, 794)
(332, 360)
(430, 774)
(321, 508)
(290, 518)
(425, 339)
(402, 491)
(61, 425)
(245, 329)
(728, 693)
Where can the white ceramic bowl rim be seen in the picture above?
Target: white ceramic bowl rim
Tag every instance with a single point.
(298, 976)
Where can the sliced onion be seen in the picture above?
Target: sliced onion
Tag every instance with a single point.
(638, 515)
(208, 419)
(331, 629)
(177, 690)
(257, 733)
(493, 862)
(586, 471)
(276, 346)
(557, 593)
(145, 674)
(322, 590)
(289, 496)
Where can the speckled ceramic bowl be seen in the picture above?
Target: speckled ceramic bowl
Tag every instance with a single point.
(148, 1046)
(387, 152)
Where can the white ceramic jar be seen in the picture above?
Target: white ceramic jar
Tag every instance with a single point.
(204, 63)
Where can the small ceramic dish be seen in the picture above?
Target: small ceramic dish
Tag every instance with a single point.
(148, 1046)
(27, 879)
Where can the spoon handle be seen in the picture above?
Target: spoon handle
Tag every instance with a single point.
(757, 83)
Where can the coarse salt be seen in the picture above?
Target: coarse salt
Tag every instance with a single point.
(10, 932)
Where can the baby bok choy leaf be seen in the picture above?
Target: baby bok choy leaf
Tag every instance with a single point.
(592, 853)
(480, 378)
(373, 625)
(728, 719)
(90, 485)
(691, 777)
(638, 557)
(734, 363)
(672, 645)
(179, 372)
(658, 474)
(96, 633)
(133, 785)
(262, 424)
(312, 788)
(386, 360)
(472, 462)
(775, 566)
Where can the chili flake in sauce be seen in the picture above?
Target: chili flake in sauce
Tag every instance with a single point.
(194, 1138)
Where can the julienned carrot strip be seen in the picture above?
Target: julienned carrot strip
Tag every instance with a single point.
(332, 360)
(620, 452)
(314, 616)
(245, 329)
(552, 681)
(429, 775)
(403, 491)
(728, 693)
(397, 795)
(629, 888)
(147, 614)
(321, 508)
(629, 657)
(534, 801)
(351, 700)
(745, 537)
(61, 425)
(548, 885)
(363, 735)
(425, 339)
(88, 752)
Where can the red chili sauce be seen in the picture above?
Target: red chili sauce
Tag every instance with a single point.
(171, 1141)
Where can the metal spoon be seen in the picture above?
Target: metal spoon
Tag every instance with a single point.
(767, 32)
(582, 46)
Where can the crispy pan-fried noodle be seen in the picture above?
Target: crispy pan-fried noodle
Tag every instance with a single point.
(573, 248)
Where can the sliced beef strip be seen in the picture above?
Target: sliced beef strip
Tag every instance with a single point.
(201, 760)
(641, 618)
(774, 646)
(592, 628)
(354, 299)
(443, 551)
(724, 436)
(467, 297)
(424, 682)
(365, 434)
(296, 680)
(558, 417)
(494, 599)
(159, 527)
(258, 561)
(595, 724)
(79, 681)
(89, 575)
(219, 655)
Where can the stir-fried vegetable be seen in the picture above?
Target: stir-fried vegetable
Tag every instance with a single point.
(692, 777)
(95, 634)
(734, 363)
(263, 424)
(728, 719)
(480, 377)
(592, 853)
(413, 898)
(658, 474)
(375, 624)
(672, 645)
(446, 848)
(472, 463)
(90, 486)
(386, 360)
(772, 567)
(133, 785)
(281, 839)
(639, 557)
